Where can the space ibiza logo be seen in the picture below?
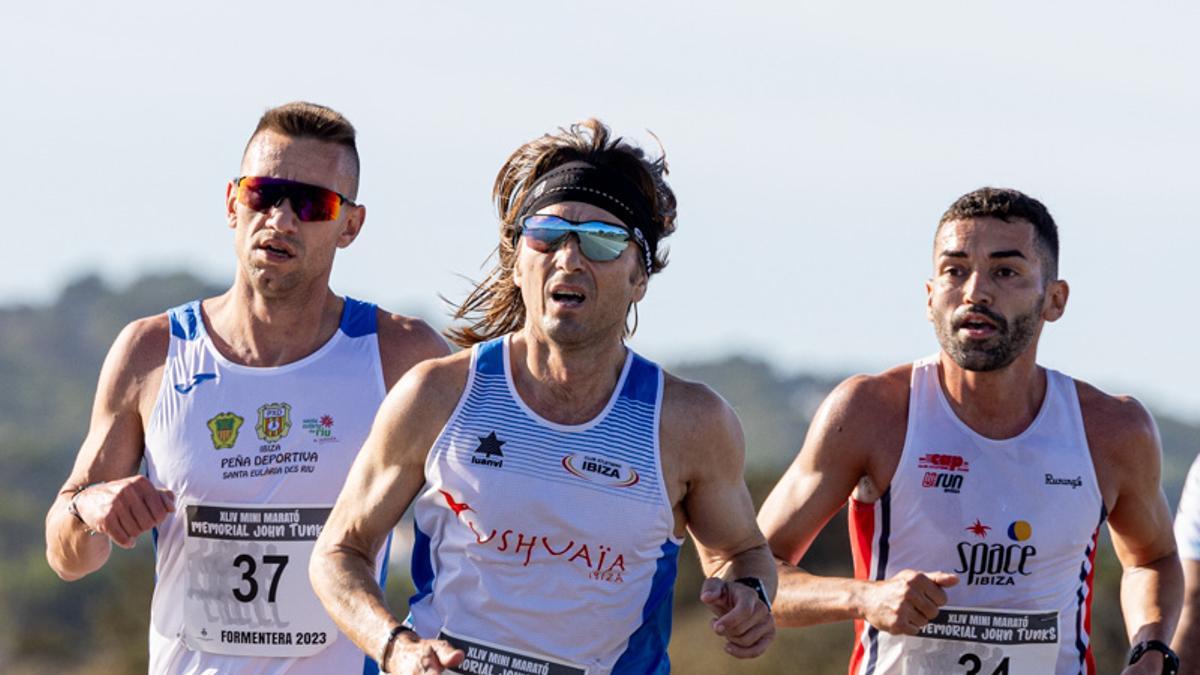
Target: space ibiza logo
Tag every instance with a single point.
(600, 470)
(996, 563)
(943, 471)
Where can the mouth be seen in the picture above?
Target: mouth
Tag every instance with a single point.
(276, 251)
(977, 326)
(567, 297)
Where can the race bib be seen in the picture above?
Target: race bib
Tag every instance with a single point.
(484, 658)
(983, 642)
(247, 581)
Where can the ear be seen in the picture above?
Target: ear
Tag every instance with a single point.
(929, 300)
(640, 280)
(1056, 300)
(231, 205)
(354, 223)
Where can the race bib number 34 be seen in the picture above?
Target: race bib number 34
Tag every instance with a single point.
(247, 580)
(984, 642)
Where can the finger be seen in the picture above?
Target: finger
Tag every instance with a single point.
(924, 606)
(943, 579)
(750, 651)
(123, 528)
(753, 631)
(743, 615)
(714, 593)
(140, 514)
(168, 499)
(448, 654)
(155, 507)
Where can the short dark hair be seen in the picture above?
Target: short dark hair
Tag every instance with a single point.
(301, 119)
(1009, 205)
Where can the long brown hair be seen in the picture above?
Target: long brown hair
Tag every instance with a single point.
(494, 307)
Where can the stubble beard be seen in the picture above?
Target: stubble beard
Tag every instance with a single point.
(1011, 340)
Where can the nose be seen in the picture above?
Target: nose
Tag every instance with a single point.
(977, 290)
(281, 217)
(569, 256)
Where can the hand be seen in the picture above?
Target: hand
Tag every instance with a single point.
(125, 508)
(413, 656)
(742, 619)
(907, 601)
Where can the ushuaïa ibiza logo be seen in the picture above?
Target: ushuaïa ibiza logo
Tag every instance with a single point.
(600, 470)
(597, 561)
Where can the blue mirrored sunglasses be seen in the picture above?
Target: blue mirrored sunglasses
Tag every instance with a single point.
(598, 241)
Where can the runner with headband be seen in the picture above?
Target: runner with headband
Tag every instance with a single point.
(552, 471)
(978, 481)
(247, 410)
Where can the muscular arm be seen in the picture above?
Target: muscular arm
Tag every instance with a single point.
(703, 437)
(386, 476)
(855, 440)
(125, 505)
(1125, 440)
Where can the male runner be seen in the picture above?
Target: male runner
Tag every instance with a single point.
(1187, 537)
(553, 472)
(248, 409)
(978, 480)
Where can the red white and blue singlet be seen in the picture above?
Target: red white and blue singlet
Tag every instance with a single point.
(256, 458)
(1015, 519)
(543, 547)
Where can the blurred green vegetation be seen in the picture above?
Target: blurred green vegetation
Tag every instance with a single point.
(50, 358)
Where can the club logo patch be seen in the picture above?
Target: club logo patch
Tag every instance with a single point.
(224, 427)
(600, 470)
(274, 421)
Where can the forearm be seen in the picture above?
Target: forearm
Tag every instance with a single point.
(344, 580)
(807, 599)
(71, 552)
(1151, 598)
(754, 562)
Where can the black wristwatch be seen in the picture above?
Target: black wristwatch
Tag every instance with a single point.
(757, 585)
(1170, 660)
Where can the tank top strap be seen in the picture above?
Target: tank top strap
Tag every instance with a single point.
(641, 384)
(489, 357)
(358, 318)
(186, 323)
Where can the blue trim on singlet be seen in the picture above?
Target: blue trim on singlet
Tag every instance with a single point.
(422, 566)
(489, 360)
(647, 649)
(885, 531)
(185, 320)
(358, 318)
(641, 384)
(1080, 598)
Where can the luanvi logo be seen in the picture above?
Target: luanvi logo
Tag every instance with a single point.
(488, 453)
(1075, 482)
(196, 380)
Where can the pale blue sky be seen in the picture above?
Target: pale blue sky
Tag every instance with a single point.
(812, 145)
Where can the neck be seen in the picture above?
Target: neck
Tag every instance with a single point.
(565, 384)
(996, 404)
(257, 329)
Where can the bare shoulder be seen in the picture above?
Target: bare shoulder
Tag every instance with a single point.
(1120, 431)
(433, 386)
(132, 370)
(405, 341)
(692, 410)
(868, 408)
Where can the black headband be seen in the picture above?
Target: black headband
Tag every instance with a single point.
(599, 186)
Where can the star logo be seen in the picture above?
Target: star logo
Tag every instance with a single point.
(490, 445)
(978, 529)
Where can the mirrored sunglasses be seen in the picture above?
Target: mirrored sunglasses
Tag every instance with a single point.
(310, 203)
(598, 241)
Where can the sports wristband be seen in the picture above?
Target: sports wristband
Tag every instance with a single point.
(1169, 658)
(74, 510)
(759, 589)
(387, 647)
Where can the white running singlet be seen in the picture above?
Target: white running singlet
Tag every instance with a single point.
(1187, 522)
(1015, 519)
(543, 547)
(256, 458)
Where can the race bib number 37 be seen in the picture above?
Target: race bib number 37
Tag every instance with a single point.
(247, 581)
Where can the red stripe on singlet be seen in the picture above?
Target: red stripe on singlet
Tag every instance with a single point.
(862, 538)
